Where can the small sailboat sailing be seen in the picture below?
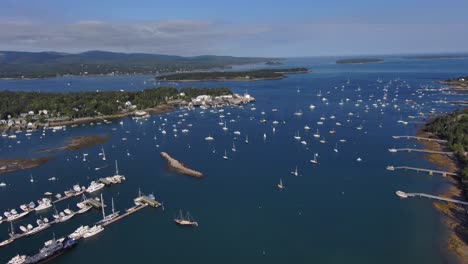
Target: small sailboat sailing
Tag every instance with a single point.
(225, 155)
(103, 153)
(247, 139)
(185, 221)
(280, 184)
(32, 179)
(295, 172)
(314, 161)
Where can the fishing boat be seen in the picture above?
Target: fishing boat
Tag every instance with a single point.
(185, 221)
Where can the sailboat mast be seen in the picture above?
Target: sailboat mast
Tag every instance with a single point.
(102, 205)
(116, 168)
(113, 210)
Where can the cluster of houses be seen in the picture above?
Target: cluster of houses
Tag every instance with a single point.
(28, 120)
(215, 101)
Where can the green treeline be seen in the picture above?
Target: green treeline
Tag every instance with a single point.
(453, 128)
(90, 104)
(231, 75)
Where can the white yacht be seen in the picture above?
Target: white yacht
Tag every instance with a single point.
(18, 259)
(402, 194)
(93, 231)
(393, 150)
(43, 204)
(94, 187)
(79, 232)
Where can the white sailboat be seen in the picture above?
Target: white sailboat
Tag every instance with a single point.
(314, 161)
(336, 147)
(317, 134)
(280, 184)
(32, 179)
(247, 139)
(233, 147)
(295, 172)
(185, 221)
(225, 155)
(103, 153)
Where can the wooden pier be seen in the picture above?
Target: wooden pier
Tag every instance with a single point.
(433, 197)
(423, 151)
(127, 213)
(421, 138)
(430, 171)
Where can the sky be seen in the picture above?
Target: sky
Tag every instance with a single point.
(283, 28)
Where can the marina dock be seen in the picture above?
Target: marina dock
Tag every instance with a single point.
(421, 138)
(430, 171)
(423, 151)
(405, 195)
(92, 202)
(129, 211)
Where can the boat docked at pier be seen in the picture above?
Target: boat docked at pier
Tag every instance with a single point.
(94, 187)
(79, 232)
(43, 204)
(96, 229)
(110, 217)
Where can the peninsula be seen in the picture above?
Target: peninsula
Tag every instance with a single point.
(29, 110)
(253, 75)
(459, 84)
(27, 65)
(179, 167)
(359, 61)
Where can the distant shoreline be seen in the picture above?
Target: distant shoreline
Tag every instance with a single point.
(359, 61)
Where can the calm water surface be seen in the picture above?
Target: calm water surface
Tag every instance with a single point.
(339, 211)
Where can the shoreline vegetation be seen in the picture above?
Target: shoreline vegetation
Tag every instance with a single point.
(359, 61)
(252, 75)
(453, 128)
(32, 65)
(30, 110)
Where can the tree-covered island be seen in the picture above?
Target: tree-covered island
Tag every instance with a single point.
(253, 75)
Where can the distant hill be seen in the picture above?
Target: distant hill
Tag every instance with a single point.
(358, 61)
(14, 64)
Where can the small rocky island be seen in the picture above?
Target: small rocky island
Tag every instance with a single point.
(459, 84)
(359, 61)
(178, 167)
(253, 75)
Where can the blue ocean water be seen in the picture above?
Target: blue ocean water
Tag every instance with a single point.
(339, 211)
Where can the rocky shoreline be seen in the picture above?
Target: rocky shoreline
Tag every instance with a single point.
(455, 216)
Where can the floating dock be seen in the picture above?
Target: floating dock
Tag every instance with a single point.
(405, 195)
(421, 138)
(430, 171)
(423, 150)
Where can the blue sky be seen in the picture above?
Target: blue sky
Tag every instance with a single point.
(240, 28)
